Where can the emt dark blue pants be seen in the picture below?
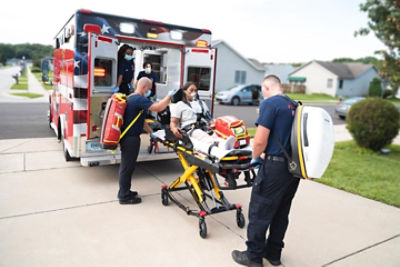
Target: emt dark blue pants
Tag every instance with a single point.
(271, 198)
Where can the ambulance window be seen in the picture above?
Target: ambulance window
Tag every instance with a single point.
(200, 76)
(102, 72)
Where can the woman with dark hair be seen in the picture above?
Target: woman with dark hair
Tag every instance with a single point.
(184, 118)
(126, 69)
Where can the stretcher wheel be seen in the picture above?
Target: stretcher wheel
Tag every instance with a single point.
(203, 228)
(240, 220)
(150, 148)
(164, 197)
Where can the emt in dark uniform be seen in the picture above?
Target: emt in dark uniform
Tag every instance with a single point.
(147, 72)
(126, 69)
(130, 143)
(274, 187)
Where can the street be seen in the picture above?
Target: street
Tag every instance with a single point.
(29, 120)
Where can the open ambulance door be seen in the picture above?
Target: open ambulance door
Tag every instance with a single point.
(102, 70)
(200, 66)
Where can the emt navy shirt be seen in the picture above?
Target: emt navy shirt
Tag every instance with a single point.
(126, 69)
(276, 114)
(135, 104)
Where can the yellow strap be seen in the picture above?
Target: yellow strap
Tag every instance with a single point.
(130, 125)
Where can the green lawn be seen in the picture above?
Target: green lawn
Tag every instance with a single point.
(47, 86)
(365, 173)
(20, 86)
(394, 100)
(312, 97)
(30, 95)
(251, 131)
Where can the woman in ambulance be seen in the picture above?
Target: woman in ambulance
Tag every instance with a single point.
(126, 69)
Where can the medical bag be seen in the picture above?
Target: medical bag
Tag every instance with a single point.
(226, 126)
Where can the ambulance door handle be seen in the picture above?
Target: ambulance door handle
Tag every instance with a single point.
(305, 137)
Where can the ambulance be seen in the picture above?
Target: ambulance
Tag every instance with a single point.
(85, 75)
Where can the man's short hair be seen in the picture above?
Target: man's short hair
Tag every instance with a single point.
(272, 78)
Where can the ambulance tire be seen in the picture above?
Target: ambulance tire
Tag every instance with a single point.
(49, 116)
(203, 228)
(67, 156)
(235, 101)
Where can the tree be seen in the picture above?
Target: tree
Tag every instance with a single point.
(375, 87)
(384, 21)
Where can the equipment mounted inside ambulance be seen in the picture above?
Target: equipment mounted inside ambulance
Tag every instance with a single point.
(85, 74)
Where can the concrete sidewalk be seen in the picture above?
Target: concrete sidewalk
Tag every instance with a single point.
(54, 213)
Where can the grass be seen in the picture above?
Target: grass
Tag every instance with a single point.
(29, 95)
(251, 131)
(46, 86)
(312, 97)
(365, 173)
(20, 86)
(394, 100)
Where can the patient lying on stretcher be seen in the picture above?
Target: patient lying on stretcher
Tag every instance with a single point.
(184, 118)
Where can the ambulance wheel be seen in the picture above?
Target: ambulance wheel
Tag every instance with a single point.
(236, 101)
(67, 156)
(203, 228)
(164, 197)
(240, 220)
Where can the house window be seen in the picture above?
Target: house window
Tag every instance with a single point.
(330, 81)
(340, 84)
(240, 77)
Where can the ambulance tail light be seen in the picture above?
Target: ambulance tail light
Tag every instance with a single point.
(99, 72)
(92, 28)
(201, 43)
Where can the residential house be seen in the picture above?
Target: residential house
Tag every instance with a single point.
(280, 70)
(334, 78)
(233, 68)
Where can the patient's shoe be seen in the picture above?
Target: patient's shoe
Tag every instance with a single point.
(227, 144)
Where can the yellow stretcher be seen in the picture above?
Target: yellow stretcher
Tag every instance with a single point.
(200, 178)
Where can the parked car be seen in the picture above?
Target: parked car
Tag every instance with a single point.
(344, 106)
(241, 94)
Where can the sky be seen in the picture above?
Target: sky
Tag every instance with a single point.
(284, 31)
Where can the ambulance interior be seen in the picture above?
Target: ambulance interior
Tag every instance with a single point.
(166, 63)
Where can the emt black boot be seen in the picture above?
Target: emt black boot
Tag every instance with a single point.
(131, 200)
(241, 258)
(273, 262)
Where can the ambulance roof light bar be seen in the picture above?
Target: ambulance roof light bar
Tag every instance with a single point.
(85, 11)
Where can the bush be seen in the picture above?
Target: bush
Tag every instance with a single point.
(375, 87)
(373, 123)
(35, 69)
(387, 93)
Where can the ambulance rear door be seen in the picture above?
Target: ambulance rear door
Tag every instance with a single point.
(200, 68)
(103, 58)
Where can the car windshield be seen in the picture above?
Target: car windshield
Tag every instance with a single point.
(352, 100)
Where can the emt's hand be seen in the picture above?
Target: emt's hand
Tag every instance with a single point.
(116, 89)
(172, 92)
(256, 163)
(177, 133)
(153, 136)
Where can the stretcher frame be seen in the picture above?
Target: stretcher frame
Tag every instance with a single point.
(198, 177)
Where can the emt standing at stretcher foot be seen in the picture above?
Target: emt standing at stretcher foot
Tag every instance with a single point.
(130, 143)
(126, 68)
(183, 117)
(274, 187)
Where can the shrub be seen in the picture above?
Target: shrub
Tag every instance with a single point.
(373, 123)
(375, 87)
(35, 69)
(387, 93)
